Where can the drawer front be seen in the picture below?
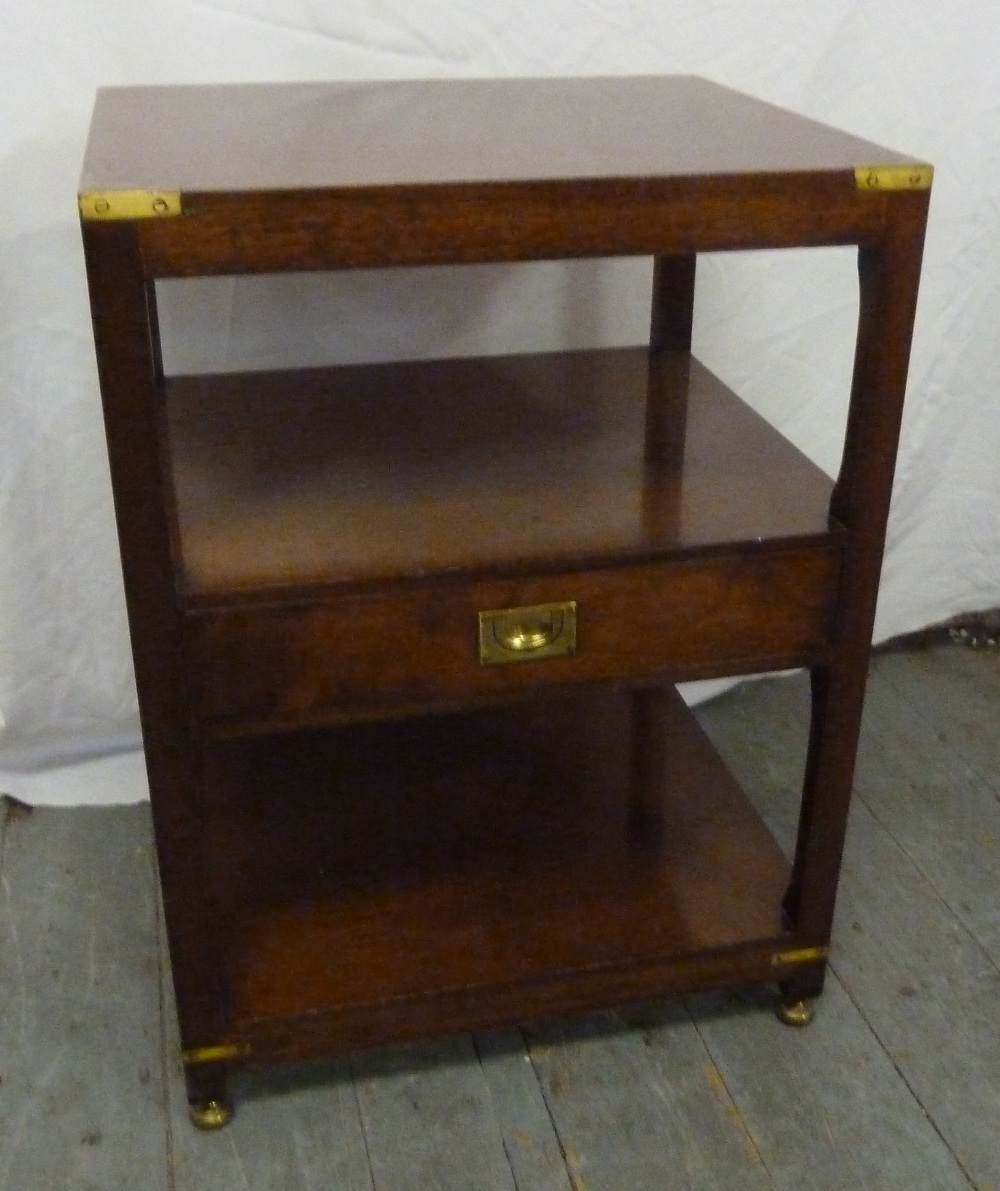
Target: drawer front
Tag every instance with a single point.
(410, 646)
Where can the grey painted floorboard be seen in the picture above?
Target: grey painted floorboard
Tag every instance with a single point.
(429, 1120)
(956, 690)
(825, 1106)
(530, 1141)
(643, 1109)
(297, 1128)
(81, 1102)
(930, 772)
(897, 1084)
(926, 988)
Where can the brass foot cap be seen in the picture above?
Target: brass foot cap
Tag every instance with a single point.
(795, 1013)
(213, 1114)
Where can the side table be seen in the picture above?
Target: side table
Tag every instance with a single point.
(405, 635)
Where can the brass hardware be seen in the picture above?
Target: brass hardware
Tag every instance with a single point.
(525, 634)
(804, 955)
(223, 1053)
(213, 1114)
(893, 177)
(129, 204)
(795, 1013)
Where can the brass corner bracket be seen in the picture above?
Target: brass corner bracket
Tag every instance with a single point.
(225, 1052)
(893, 177)
(129, 204)
(801, 955)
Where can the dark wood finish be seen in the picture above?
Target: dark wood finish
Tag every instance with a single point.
(308, 548)
(649, 751)
(347, 478)
(889, 279)
(477, 867)
(333, 476)
(384, 648)
(128, 364)
(672, 319)
(529, 221)
(669, 386)
(348, 175)
(364, 135)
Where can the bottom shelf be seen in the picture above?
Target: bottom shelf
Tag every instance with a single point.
(386, 881)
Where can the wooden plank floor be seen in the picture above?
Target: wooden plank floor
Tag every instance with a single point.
(895, 1085)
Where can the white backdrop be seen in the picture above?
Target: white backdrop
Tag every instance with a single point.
(916, 75)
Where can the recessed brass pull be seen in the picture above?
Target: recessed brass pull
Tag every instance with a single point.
(527, 634)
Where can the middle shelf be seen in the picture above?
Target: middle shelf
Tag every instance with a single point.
(299, 479)
(339, 531)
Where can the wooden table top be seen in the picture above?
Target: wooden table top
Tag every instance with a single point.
(349, 135)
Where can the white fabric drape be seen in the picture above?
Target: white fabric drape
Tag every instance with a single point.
(914, 75)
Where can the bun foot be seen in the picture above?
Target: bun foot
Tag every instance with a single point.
(212, 1114)
(795, 1013)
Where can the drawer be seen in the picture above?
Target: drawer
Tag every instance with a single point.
(412, 645)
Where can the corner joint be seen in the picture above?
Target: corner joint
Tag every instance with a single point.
(129, 204)
(894, 177)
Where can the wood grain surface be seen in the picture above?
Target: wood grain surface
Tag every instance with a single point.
(309, 136)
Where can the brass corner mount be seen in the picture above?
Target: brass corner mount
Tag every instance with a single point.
(799, 955)
(914, 176)
(129, 204)
(223, 1052)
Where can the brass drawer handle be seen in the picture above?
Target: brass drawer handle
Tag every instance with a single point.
(526, 634)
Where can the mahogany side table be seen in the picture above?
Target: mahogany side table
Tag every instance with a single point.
(405, 635)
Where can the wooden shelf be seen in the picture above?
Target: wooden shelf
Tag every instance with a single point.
(339, 530)
(478, 853)
(333, 476)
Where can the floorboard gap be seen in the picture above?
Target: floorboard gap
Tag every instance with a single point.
(939, 894)
(748, 1135)
(903, 1079)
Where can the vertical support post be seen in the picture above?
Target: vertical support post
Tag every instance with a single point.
(670, 330)
(649, 755)
(889, 275)
(672, 317)
(123, 311)
(671, 323)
